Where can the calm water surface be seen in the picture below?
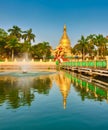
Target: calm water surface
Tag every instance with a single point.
(53, 101)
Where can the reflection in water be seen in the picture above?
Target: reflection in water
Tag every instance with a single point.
(64, 84)
(88, 89)
(42, 85)
(20, 91)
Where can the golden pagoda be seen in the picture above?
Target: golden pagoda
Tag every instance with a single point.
(65, 41)
(64, 47)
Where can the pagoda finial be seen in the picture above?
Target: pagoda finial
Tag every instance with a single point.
(64, 27)
(64, 103)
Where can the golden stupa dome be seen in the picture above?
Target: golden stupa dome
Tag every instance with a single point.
(65, 41)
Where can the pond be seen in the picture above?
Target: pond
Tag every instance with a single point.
(49, 101)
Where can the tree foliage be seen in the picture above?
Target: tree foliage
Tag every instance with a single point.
(41, 50)
(92, 45)
(28, 36)
(18, 41)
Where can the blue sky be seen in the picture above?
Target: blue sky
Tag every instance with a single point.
(47, 18)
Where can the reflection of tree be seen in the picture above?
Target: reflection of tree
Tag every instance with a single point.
(20, 91)
(15, 98)
(84, 94)
(42, 85)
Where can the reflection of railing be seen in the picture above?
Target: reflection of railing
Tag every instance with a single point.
(89, 67)
(100, 91)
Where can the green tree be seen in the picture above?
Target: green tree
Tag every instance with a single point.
(91, 44)
(28, 36)
(15, 31)
(3, 35)
(101, 43)
(41, 50)
(12, 44)
(82, 46)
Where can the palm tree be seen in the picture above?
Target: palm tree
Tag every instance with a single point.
(12, 44)
(15, 31)
(3, 35)
(91, 43)
(101, 43)
(46, 50)
(28, 36)
(83, 46)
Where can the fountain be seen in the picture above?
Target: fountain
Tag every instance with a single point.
(22, 67)
(26, 68)
(25, 63)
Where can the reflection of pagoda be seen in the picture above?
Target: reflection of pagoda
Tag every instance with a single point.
(64, 47)
(64, 85)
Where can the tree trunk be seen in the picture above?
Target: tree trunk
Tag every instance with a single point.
(82, 54)
(12, 54)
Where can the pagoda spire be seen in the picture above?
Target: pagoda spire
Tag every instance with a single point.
(65, 41)
(64, 28)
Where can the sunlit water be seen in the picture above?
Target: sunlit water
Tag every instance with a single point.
(52, 101)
